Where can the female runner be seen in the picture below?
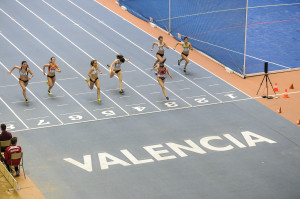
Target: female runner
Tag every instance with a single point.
(161, 51)
(93, 74)
(115, 68)
(187, 46)
(52, 67)
(162, 72)
(23, 79)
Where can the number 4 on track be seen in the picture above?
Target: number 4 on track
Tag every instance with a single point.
(42, 122)
(139, 108)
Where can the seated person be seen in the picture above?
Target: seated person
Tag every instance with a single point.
(4, 136)
(13, 148)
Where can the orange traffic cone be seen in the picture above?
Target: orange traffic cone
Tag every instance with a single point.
(279, 110)
(276, 87)
(298, 122)
(285, 95)
(292, 86)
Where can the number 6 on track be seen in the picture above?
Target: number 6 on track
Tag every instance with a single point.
(75, 117)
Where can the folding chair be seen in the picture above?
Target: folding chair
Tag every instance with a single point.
(16, 156)
(4, 144)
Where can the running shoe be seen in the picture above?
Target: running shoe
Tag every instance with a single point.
(99, 100)
(121, 91)
(26, 100)
(184, 70)
(49, 93)
(87, 80)
(167, 98)
(108, 65)
(178, 62)
(18, 173)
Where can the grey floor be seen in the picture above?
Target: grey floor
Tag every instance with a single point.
(123, 147)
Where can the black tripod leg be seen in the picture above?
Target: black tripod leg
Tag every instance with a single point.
(261, 84)
(271, 85)
(267, 85)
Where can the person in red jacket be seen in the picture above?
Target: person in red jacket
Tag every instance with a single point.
(13, 148)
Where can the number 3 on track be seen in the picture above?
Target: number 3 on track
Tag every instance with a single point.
(139, 108)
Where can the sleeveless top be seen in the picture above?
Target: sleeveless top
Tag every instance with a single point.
(51, 68)
(24, 74)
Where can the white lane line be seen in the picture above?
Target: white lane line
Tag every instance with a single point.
(29, 109)
(63, 61)
(128, 71)
(71, 113)
(38, 82)
(145, 85)
(156, 38)
(67, 78)
(155, 93)
(37, 118)
(197, 78)
(15, 102)
(101, 109)
(124, 96)
(94, 101)
(135, 104)
(29, 89)
(8, 122)
(86, 52)
(182, 89)
(170, 100)
(145, 52)
(85, 93)
(62, 105)
(224, 92)
(53, 97)
(8, 85)
(174, 81)
(114, 89)
(214, 85)
(111, 50)
(135, 114)
(196, 96)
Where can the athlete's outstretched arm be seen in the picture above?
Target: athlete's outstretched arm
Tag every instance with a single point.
(91, 70)
(191, 47)
(99, 69)
(58, 69)
(165, 44)
(154, 43)
(169, 74)
(114, 62)
(31, 73)
(179, 43)
(155, 66)
(46, 65)
(18, 67)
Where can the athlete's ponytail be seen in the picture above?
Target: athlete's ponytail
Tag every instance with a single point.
(121, 58)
